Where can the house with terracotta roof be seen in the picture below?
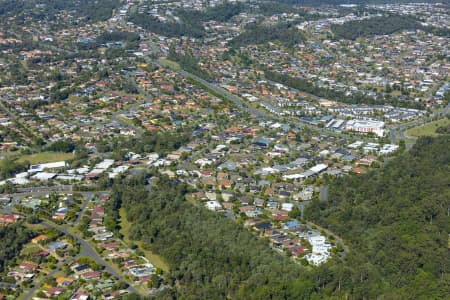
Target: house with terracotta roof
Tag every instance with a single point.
(63, 281)
(28, 266)
(39, 238)
(6, 220)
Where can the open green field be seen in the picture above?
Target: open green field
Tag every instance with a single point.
(428, 128)
(31, 248)
(45, 157)
(35, 227)
(155, 259)
(169, 64)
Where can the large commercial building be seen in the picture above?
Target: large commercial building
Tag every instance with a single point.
(366, 126)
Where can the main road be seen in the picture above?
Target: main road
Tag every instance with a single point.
(237, 101)
(397, 132)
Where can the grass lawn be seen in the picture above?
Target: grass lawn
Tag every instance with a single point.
(169, 64)
(35, 227)
(31, 248)
(155, 259)
(45, 157)
(428, 128)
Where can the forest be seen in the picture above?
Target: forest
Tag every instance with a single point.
(65, 146)
(210, 257)
(10, 167)
(394, 220)
(189, 63)
(191, 22)
(396, 223)
(12, 238)
(284, 33)
(443, 129)
(380, 26)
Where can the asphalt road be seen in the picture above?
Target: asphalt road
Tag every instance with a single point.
(397, 132)
(45, 189)
(237, 101)
(89, 197)
(116, 117)
(37, 284)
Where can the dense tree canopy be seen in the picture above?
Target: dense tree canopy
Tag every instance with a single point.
(9, 167)
(286, 34)
(394, 220)
(211, 257)
(161, 143)
(62, 146)
(396, 223)
(189, 63)
(12, 238)
(381, 26)
(188, 27)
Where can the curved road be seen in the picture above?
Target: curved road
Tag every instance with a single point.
(397, 132)
(237, 101)
(88, 251)
(37, 285)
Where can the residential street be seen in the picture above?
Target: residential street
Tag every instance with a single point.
(88, 251)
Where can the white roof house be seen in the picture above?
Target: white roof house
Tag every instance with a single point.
(118, 170)
(293, 176)
(319, 168)
(15, 181)
(44, 176)
(388, 149)
(202, 162)
(366, 126)
(316, 240)
(213, 205)
(42, 167)
(106, 164)
(319, 244)
(22, 175)
(317, 258)
(70, 177)
(287, 206)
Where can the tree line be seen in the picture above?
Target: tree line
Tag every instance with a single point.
(305, 85)
(210, 257)
(395, 221)
(189, 63)
(190, 22)
(383, 25)
(12, 238)
(285, 33)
